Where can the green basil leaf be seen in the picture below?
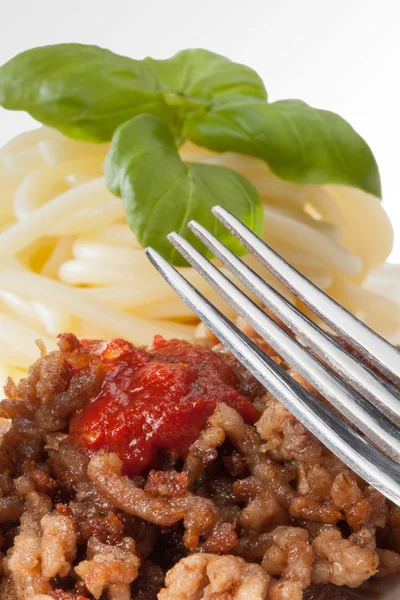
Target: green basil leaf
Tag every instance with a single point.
(210, 78)
(300, 143)
(161, 193)
(87, 92)
(84, 91)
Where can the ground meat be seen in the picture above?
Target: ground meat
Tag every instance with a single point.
(56, 386)
(254, 512)
(363, 508)
(11, 508)
(345, 491)
(58, 545)
(24, 559)
(167, 483)
(90, 521)
(364, 538)
(249, 386)
(64, 393)
(341, 561)
(206, 576)
(313, 479)
(288, 556)
(111, 568)
(203, 452)
(314, 508)
(379, 511)
(24, 565)
(198, 513)
(43, 482)
(63, 595)
(263, 510)
(235, 464)
(246, 441)
(221, 540)
(281, 431)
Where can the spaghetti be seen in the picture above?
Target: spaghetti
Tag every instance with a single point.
(69, 261)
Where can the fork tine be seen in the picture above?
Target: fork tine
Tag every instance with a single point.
(378, 392)
(378, 470)
(369, 420)
(360, 337)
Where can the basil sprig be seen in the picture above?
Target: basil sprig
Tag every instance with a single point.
(161, 193)
(149, 107)
(87, 92)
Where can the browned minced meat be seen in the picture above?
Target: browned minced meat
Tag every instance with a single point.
(260, 512)
(167, 483)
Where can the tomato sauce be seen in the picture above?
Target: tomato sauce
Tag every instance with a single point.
(154, 399)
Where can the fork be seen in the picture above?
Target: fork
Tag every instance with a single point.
(368, 438)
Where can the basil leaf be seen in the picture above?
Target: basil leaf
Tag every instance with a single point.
(84, 91)
(208, 77)
(87, 92)
(161, 193)
(300, 143)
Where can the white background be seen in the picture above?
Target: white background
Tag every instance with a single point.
(341, 55)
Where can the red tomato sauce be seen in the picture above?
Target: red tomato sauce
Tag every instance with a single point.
(154, 399)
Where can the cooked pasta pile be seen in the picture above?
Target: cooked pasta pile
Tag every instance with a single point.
(69, 261)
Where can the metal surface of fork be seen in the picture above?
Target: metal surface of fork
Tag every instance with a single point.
(359, 336)
(367, 402)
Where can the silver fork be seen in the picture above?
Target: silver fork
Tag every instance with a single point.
(367, 401)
